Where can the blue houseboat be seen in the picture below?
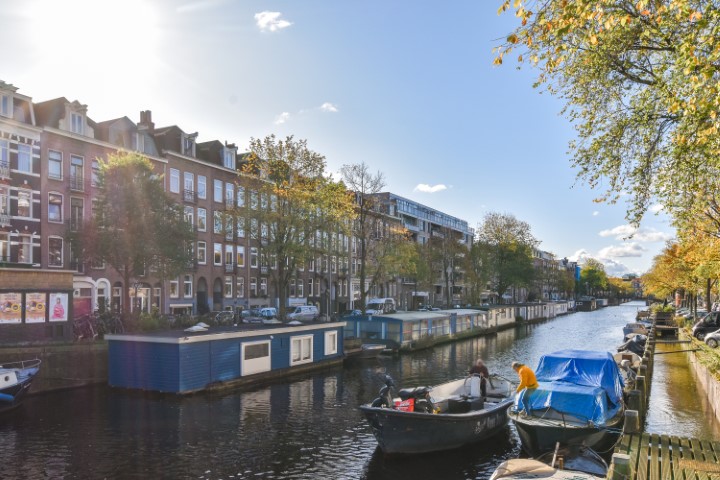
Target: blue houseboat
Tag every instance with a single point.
(183, 362)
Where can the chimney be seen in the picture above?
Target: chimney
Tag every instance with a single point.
(146, 122)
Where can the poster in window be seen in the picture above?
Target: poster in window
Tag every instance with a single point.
(58, 307)
(35, 307)
(10, 307)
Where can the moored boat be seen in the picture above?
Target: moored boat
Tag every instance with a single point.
(575, 462)
(579, 400)
(15, 381)
(458, 415)
(635, 328)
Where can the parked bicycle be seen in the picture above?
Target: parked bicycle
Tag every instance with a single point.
(225, 318)
(84, 328)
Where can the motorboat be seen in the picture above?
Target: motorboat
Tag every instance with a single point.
(458, 416)
(574, 462)
(579, 400)
(15, 381)
(634, 328)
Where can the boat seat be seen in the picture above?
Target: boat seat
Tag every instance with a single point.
(406, 393)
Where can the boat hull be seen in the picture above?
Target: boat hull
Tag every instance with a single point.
(399, 432)
(540, 436)
(16, 382)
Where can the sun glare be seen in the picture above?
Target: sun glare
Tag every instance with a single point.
(94, 33)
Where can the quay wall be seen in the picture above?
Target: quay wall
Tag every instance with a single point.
(708, 383)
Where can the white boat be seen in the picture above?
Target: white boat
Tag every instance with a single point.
(575, 462)
(15, 380)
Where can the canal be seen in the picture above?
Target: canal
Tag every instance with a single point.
(309, 428)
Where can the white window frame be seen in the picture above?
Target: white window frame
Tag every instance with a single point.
(240, 196)
(229, 158)
(188, 286)
(217, 254)
(29, 193)
(218, 191)
(174, 290)
(25, 241)
(310, 287)
(202, 187)
(256, 365)
(229, 194)
(62, 252)
(240, 287)
(6, 105)
(189, 213)
(301, 349)
(240, 256)
(254, 257)
(331, 342)
(54, 160)
(202, 252)
(24, 152)
(263, 286)
(202, 219)
(228, 290)
(174, 180)
(189, 182)
(77, 123)
(62, 205)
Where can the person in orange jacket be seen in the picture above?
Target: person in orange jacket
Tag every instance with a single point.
(527, 376)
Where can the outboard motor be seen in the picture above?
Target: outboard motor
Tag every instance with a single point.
(385, 400)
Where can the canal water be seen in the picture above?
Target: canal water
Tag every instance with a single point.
(309, 428)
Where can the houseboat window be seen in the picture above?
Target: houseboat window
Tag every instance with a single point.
(256, 357)
(393, 332)
(257, 350)
(301, 350)
(331, 343)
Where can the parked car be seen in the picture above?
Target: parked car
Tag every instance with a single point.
(713, 339)
(268, 312)
(709, 323)
(378, 306)
(350, 313)
(304, 313)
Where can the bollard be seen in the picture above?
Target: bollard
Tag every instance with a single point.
(620, 467)
(632, 421)
(634, 403)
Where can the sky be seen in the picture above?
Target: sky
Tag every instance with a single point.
(406, 86)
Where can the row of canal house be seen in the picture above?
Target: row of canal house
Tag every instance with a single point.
(185, 362)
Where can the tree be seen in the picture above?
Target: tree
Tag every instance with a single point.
(446, 255)
(593, 276)
(136, 228)
(507, 244)
(639, 80)
(370, 251)
(295, 210)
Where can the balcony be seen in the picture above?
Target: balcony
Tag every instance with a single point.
(229, 268)
(77, 183)
(263, 270)
(190, 196)
(4, 220)
(5, 170)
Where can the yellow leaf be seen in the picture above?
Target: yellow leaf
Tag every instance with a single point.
(517, 3)
(512, 38)
(497, 61)
(520, 58)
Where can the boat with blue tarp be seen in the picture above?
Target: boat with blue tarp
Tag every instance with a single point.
(15, 381)
(579, 400)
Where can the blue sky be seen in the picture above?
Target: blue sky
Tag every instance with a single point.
(407, 87)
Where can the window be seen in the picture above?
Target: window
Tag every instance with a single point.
(217, 254)
(4, 205)
(55, 207)
(189, 214)
(25, 249)
(228, 287)
(300, 292)
(229, 158)
(240, 259)
(218, 191)
(77, 174)
(310, 287)
(229, 253)
(24, 206)
(6, 107)
(240, 287)
(202, 253)
(77, 123)
(292, 288)
(4, 247)
(229, 194)
(189, 185)
(253, 287)
(174, 288)
(95, 173)
(55, 252)
(202, 187)
(54, 165)
(263, 286)
(217, 222)
(77, 210)
(174, 180)
(240, 227)
(254, 200)
(255, 357)
(240, 196)
(4, 158)
(188, 145)
(331, 343)
(301, 350)
(253, 257)
(187, 286)
(202, 219)
(24, 158)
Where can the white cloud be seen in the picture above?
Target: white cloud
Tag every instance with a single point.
(282, 118)
(197, 6)
(425, 188)
(596, 213)
(629, 249)
(328, 107)
(623, 232)
(270, 21)
(656, 208)
(614, 268)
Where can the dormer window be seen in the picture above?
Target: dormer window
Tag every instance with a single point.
(188, 145)
(6, 105)
(229, 158)
(77, 123)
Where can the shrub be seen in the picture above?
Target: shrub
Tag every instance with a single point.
(148, 322)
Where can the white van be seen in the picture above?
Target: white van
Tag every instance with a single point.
(304, 313)
(377, 306)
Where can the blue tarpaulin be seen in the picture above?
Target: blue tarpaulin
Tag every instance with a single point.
(581, 383)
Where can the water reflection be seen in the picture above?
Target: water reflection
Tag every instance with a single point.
(310, 427)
